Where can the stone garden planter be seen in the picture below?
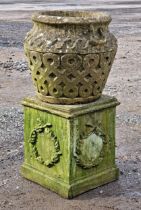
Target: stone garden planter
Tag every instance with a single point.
(70, 149)
(70, 55)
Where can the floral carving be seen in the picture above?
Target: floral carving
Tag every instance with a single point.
(89, 148)
(55, 157)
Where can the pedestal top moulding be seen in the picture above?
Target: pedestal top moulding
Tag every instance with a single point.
(70, 54)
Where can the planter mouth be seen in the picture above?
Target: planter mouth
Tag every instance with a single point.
(71, 17)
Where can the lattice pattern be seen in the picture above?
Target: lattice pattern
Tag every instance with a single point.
(70, 75)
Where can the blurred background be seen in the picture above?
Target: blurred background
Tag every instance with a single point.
(124, 83)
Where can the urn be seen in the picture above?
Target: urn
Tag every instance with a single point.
(70, 149)
(70, 55)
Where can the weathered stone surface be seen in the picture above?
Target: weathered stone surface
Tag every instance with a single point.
(70, 55)
(70, 149)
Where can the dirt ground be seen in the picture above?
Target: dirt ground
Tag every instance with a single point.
(124, 82)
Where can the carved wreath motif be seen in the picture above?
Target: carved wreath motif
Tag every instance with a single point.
(80, 158)
(34, 139)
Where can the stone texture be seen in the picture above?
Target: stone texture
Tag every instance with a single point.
(70, 55)
(70, 149)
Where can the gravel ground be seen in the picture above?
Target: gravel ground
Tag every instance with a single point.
(124, 82)
(11, 65)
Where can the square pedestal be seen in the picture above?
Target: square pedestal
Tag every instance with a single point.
(70, 149)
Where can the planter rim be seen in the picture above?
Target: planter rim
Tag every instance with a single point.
(71, 17)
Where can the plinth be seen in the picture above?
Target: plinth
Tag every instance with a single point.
(70, 149)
